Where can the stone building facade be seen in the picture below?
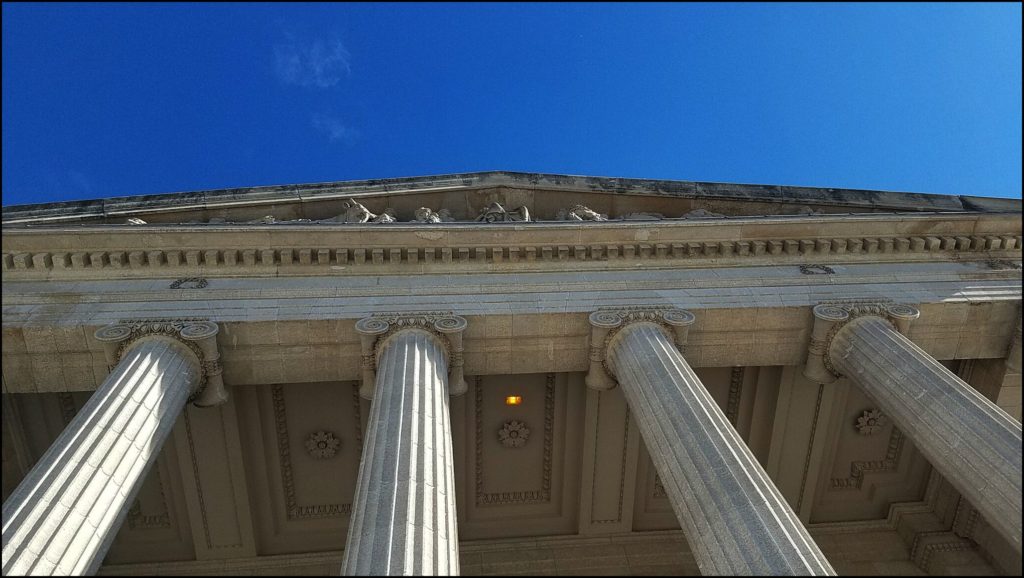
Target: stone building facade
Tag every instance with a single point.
(508, 373)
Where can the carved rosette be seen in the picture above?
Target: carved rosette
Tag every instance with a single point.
(607, 323)
(830, 318)
(871, 422)
(374, 332)
(513, 434)
(198, 335)
(322, 445)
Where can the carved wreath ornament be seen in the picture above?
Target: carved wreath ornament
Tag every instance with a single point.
(322, 445)
(513, 434)
(872, 421)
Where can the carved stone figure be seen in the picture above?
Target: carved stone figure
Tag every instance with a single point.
(495, 213)
(388, 216)
(643, 217)
(700, 214)
(355, 212)
(805, 210)
(581, 213)
(265, 220)
(426, 215)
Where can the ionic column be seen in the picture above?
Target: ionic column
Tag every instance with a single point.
(734, 518)
(403, 515)
(64, 515)
(970, 440)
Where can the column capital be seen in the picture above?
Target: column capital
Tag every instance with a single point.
(198, 335)
(376, 330)
(607, 322)
(830, 317)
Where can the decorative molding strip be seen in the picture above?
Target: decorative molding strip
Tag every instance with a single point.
(858, 469)
(233, 258)
(293, 509)
(732, 406)
(659, 488)
(1013, 350)
(68, 411)
(137, 521)
(195, 282)
(810, 447)
(1003, 265)
(927, 544)
(816, 270)
(831, 316)
(374, 332)
(607, 322)
(543, 495)
(622, 470)
(198, 335)
(199, 486)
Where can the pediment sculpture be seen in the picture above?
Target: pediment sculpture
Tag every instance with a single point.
(701, 214)
(580, 213)
(643, 217)
(356, 212)
(426, 215)
(495, 213)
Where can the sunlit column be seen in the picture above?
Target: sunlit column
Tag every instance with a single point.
(403, 514)
(971, 441)
(64, 515)
(735, 520)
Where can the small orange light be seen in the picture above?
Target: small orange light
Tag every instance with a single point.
(514, 400)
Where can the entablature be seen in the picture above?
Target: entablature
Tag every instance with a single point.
(125, 251)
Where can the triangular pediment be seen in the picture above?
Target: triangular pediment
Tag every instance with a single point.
(469, 197)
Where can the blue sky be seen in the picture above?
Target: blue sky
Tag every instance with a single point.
(113, 100)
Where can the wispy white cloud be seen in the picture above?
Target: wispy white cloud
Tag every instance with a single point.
(334, 128)
(313, 63)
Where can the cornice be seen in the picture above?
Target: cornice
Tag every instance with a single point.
(312, 192)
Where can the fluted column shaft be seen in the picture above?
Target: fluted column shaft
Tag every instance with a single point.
(403, 515)
(971, 441)
(734, 518)
(64, 515)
